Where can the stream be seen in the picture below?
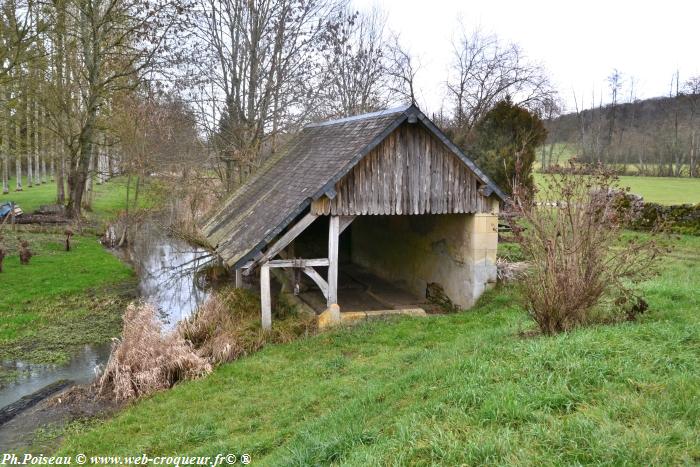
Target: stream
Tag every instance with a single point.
(167, 277)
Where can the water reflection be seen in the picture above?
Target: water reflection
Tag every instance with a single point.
(167, 270)
(32, 377)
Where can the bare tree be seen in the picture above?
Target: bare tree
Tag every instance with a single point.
(5, 136)
(113, 43)
(615, 85)
(258, 73)
(692, 91)
(18, 32)
(355, 63)
(484, 71)
(403, 69)
(551, 109)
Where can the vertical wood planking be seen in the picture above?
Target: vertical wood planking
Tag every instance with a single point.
(410, 172)
(426, 172)
(398, 174)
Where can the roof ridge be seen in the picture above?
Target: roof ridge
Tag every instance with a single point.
(354, 118)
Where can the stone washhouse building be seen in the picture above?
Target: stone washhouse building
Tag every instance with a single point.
(367, 213)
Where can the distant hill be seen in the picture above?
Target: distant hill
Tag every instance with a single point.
(658, 136)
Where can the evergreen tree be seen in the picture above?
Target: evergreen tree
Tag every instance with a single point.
(503, 144)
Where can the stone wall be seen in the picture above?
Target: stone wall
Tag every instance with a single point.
(457, 251)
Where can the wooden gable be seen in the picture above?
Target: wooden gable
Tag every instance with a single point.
(409, 172)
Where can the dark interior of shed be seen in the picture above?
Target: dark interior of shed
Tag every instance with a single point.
(358, 288)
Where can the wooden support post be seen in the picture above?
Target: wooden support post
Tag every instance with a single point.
(239, 278)
(265, 298)
(283, 241)
(320, 281)
(345, 222)
(333, 237)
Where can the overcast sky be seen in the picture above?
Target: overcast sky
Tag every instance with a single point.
(579, 42)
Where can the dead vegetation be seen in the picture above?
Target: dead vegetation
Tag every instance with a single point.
(145, 360)
(508, 271)
(227, 326)
(224, 328)
(582, 268)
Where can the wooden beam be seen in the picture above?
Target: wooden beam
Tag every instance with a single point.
(284, 240)
(297, 263)
(239, 278)
(265, 298)
(345, 222)
(316, 277)
(333, 236)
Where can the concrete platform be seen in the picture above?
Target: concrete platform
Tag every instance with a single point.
(332, 316)
(361, 291)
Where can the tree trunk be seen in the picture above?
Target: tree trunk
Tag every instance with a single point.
(6, 147)
(5, 174)
(30, 172)
(18, 157)
(693, 145)
(126, 213)
(60, 175)
(89, 181)
(37, 129)
(77, 178)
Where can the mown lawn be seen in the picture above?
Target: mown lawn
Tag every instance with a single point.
(663, 190)
(466, 388)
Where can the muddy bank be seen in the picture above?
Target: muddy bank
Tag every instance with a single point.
(40, 428)
(32, 377)
(10, 411)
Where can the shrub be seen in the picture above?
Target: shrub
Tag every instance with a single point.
(580, 262)
(504, 142)
(144, 360)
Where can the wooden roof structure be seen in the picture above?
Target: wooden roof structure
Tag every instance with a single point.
(320, 167)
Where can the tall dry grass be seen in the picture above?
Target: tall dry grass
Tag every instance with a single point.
(224, 328)
(145, 360)
(227, 326)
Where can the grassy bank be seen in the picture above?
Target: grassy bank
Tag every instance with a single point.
(60, 300)
(463, 388)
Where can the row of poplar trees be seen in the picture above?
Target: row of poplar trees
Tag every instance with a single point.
(62, 64)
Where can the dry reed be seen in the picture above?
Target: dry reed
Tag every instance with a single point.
(145, 360)
(227, 326)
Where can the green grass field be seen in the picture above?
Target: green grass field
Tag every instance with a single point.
(60, 300)
(466, 389)
(661, 190)
(108, 200)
